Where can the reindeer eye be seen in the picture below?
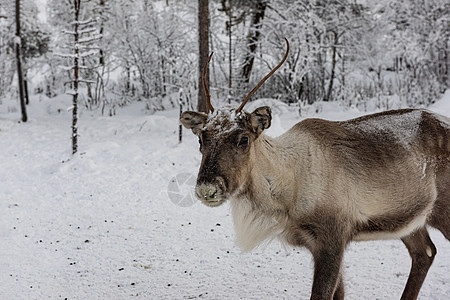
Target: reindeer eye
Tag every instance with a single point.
(243, 142)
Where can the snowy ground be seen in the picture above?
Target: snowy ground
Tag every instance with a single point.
(100, 224)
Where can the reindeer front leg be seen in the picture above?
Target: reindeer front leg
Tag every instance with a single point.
(328, 283)
(422, 251)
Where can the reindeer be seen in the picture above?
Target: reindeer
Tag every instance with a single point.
(323, 184)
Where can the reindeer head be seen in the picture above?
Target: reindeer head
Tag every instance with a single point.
(227, 140)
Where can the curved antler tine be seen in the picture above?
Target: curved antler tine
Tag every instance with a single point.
(205, 86)
(264, 79)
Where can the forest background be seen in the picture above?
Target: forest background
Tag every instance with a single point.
(361, 53)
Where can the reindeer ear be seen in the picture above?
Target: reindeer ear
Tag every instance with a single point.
(193, 120)
(260, 119)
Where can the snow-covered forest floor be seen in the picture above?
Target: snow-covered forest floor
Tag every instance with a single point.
(100, 224)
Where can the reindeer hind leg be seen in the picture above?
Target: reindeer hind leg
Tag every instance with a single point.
(339, 292)
(422, 251)
(440, 217)
(442, 223)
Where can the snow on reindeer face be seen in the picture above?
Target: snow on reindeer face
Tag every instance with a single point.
(227, 144)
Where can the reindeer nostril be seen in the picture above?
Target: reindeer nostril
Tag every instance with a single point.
(220, 183)
(208, 192)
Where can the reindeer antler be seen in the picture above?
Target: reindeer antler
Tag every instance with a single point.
(205, 86)
(264, 79)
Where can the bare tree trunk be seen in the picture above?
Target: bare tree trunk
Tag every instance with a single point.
(77, 4)
(203, 45)
(25, 89)
(101, 59)
(163, 75)
(343, 69)
(128, 83)
(253, 38)
(230, 52)
(333, 67)
(19, 64)
(180, 127)
(25, 80)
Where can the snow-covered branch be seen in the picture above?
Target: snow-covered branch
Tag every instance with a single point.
(84, 22)
(88, 53)
(66, 55)
(80, 32)
(87, 80)
(90, 39)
